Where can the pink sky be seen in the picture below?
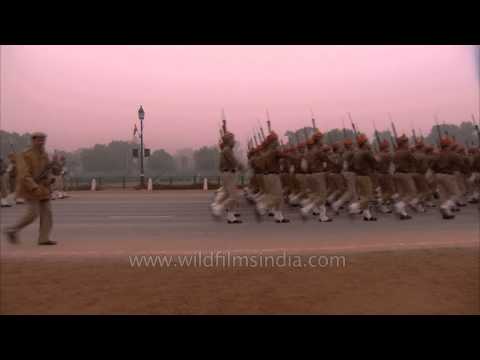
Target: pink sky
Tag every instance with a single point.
(82, 95)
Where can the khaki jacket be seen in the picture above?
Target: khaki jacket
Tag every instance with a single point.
(30, 165)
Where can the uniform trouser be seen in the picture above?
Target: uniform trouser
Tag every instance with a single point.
(273, 192)
(387, 186)
(295, 185)
(335, 184)
(351, 193)
(447, 187)
(12, 184)
(261, 183)
(4, 185)
(364, 190)
(37, 208)
(461, 184)
(421, 185)
(317, 183)
(432, 184)
(59, 183)
(405, 186)
(254, 183)
(302, 183)
(230, 199)
(285, 181)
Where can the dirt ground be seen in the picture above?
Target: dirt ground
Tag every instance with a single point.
(426, 281)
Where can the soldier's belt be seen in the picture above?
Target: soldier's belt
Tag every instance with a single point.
(271, 173)
(228, 170)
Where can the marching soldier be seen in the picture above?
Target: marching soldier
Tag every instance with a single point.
(335, 181)
(33, 183)
(474, 178)
(351, 194)
(363, 165)
(384, 177)
(422, 164)
(317, 160)
(273, 199)
(228, 167)
(3, 185)
(444, 166)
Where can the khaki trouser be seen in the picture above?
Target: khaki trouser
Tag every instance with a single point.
(317, 183)
(285, 181)
(302, 183)
(351, 193)
(273, 192)
(335, 185)
(4, 185)
(387, 187)
(447, 187)
(12, 184)
(461, 184)
(37, 208)
(295, 185)
(230, 199)
(59, 183)
(421, 184)
(405, 186)
(261, 183)
(364, 190)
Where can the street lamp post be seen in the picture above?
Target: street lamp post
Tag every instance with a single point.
(141, 116)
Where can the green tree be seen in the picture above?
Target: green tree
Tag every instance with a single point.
(161, 162)
(206, 159)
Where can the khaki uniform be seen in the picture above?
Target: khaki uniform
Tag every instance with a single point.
(3, 180)
(363, 165)
(404, 162)
(444, 166)
(31, 163)
(317, 177)
(349, 175)
(273, 186)
(420, 178)
(228, 166)
(336, 185)
(385, 179)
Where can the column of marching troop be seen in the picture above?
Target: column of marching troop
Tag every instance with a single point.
(8, 182)
(349, 176)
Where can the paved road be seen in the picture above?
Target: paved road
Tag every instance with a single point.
(113, 223)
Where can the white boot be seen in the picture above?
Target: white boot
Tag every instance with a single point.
(217, 209)
(323, 214)
(232, 219)
(445, 210)
(20, 201)
(400, 210)
(279, 218)
(473, 199)
(385, 209)
(367, 215)
(261, 208)
(354, 208)
(4, 203)
(308, 206)
(11, 198)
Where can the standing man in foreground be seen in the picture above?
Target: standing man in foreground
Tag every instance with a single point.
(33, 184)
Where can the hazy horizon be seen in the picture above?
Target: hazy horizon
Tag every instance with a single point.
(83, 95)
